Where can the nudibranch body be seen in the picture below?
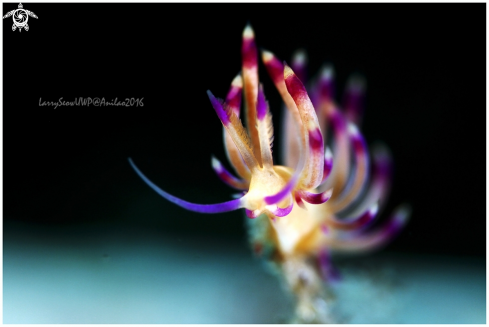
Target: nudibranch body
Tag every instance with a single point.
(298, 204)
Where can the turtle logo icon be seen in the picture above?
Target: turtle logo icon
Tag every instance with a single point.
(20, 17)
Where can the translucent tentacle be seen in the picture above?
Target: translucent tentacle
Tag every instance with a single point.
(203, 208)
(356, 223)
(374, 239)
(380, 181)
(361, 169)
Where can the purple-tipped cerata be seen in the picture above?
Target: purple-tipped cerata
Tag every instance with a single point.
(298, 216)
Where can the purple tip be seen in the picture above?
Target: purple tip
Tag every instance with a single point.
(315, 198)
(282, 212)
(218, 107)
(261, 104)
(316, 140)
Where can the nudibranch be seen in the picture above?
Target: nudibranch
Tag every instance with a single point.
(322, 199)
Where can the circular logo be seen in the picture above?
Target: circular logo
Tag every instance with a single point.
(20, 17)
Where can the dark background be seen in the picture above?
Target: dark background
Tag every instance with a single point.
(424, 64)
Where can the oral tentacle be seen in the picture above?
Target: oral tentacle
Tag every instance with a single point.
(227, 177)
(249, 55)
(202, 208)
(312, 173)
(236, 130)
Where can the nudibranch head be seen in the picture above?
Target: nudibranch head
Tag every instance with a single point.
(296, 202)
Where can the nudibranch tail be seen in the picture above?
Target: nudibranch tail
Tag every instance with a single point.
(202, 208)
(249, 55)
(328, 270)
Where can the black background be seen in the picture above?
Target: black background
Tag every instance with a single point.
(424, 64)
